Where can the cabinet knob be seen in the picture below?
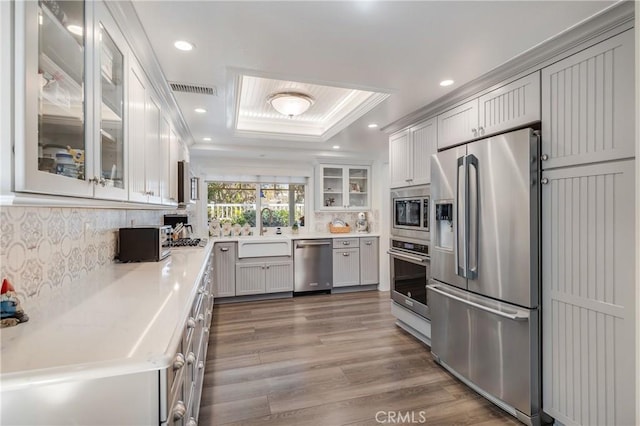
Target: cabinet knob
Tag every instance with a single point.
(94, 180)
(345, 243)
(200, 365)
(544, 157)
(224, 249)
(474, 131)
(345, 254)
(191, 358)
(179, 410)
(192, 422)
(368, 243)
(544, 181)
(178, 361)
(191, 322)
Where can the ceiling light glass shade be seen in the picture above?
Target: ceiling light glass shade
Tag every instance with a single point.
(290, 103)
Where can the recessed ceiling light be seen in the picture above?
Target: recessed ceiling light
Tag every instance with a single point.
(336, 147)
(75, 29)
(445, 83)
(200, 110)
(183, 45)
(372, 126)
(206, 139)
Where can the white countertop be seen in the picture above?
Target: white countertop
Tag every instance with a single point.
(300, 236)
(123, 318)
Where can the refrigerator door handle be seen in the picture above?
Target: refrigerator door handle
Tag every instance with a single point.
(460, 269)
(515, 316)
(472, 218)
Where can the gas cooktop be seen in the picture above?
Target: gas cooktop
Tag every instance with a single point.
(188, 242)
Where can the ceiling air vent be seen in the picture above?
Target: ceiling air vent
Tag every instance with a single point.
(193, 88)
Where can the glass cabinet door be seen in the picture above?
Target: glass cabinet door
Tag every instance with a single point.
(358, 188)
(109, 70)
(61, 106)
(332, 188)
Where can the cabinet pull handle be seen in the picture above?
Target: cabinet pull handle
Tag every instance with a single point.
(178, 361)
(368, 243)
(544, 157)
(345, 243)
(224, 249)
(345, 254)
(179, 410)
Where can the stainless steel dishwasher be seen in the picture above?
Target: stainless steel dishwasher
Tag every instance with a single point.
(312, 265)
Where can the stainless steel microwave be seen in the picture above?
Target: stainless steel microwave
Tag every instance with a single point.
(144, 244)
(410, 212)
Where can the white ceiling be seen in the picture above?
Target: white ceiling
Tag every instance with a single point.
(402, 48)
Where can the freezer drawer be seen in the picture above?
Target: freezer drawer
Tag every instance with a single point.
(493, 346)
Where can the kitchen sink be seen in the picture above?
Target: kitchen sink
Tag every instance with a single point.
(264, 246)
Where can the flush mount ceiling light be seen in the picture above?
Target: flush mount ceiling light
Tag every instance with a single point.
(290, 103)
(183, 45)
(445, 83)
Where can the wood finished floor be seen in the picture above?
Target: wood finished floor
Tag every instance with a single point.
(328, 360)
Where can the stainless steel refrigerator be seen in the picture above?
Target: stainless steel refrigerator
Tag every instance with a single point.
(484, 290)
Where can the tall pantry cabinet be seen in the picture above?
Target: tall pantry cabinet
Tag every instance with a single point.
(588, 203)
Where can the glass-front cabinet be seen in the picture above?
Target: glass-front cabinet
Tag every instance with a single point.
(71, 101)
(343, 187)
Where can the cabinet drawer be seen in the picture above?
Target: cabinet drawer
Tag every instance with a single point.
(346, 242)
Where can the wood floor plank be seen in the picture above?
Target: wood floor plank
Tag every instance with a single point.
(328, 360)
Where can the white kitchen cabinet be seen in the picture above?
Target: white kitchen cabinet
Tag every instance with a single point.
(224, 269)
(458, 125)
(263, 277)
(588, 111)
(341, 187)
(346, 267)
(369, 263)
(512, 105)
(85, 99)
(410, 154)
(588, 296)
(175, 149)
(509, 106)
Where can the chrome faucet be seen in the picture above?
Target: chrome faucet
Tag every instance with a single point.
(262, 222)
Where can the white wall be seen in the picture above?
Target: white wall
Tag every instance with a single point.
(6, 97)
(385, 219)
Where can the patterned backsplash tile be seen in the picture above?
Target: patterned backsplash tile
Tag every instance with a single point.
(43, 248)
(322, 219)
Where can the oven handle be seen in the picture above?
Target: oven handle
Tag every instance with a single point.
(408, 257)
(517, 316)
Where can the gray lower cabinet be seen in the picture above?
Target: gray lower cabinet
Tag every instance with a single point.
(224, 261)
(369, 264)
(264, 277)
(346, 267)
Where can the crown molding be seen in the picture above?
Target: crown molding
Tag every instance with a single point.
(607, 23)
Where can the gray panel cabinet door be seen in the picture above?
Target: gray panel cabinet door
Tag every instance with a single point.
(510, 106)
(588, 333)
(224, 269)
(369, 264)
(459, 124)
(278, 277)
(400, 169)
(346, 267)
(250, 278)
(424, 144)
(588, 112)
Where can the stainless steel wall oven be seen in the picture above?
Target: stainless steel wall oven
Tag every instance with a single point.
(409, 262)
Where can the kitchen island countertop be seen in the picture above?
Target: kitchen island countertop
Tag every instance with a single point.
(120, 319)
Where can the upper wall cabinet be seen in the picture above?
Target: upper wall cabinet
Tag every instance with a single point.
(410, 154)
(588, 105)
(341, 187)
(509, 106)
(85, 121)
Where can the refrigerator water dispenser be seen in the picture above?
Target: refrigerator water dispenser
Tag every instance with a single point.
(444, 225)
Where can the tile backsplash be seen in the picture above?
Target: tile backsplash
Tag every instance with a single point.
(322, 219)
(43, 248)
